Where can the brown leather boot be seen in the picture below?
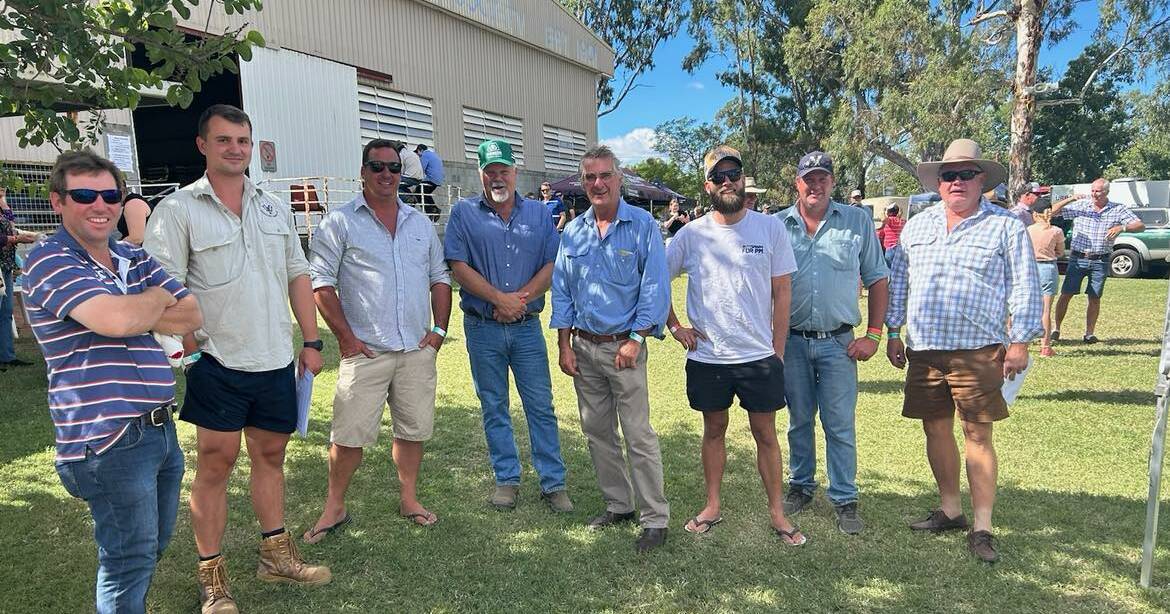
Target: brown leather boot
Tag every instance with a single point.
(280, 562)
(213, 588)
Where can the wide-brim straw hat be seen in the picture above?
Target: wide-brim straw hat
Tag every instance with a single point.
(964, 150)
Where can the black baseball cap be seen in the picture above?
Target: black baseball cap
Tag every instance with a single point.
(814, 161)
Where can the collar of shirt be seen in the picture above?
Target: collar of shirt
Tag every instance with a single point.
(792, 215)
(124, 256)
(518, 202)
(404, 210)
(202, 187)
(624, 214)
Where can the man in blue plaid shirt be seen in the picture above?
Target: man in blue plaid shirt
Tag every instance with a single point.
(1096, 223)
(960, 270)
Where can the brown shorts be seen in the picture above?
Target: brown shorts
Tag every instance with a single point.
(940, 381)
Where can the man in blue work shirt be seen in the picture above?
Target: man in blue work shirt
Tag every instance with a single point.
(610, 291)
(501, 249)
(834, 244)
(432, 166)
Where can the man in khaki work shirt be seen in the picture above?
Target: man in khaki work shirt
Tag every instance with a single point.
(234, 246)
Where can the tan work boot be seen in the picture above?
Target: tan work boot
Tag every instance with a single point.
(213, 588)
(280, 562)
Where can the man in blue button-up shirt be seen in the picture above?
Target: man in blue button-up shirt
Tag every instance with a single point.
(611, 291)
(834, 245)
(501, 248)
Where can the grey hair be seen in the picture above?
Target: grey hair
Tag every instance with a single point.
(1104, 183)
(601, 152)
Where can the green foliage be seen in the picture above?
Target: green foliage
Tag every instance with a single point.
(668, 174)
(1148, 152)
(74, 54)
(685, 141)
(634, 29)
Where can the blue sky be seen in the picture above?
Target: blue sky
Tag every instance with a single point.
(668, 91)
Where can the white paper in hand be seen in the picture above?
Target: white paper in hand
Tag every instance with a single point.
(304, 400)
(1011, 387)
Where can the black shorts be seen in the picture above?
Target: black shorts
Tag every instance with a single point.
(223, 399)
(759, 384)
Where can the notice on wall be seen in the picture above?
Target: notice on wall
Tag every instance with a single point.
(120, 151)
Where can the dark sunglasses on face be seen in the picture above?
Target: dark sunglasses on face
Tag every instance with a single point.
(377, 166)
(731, 174)
(965, 175)
(85, 196)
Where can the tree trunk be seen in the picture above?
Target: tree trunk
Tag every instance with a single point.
(1028, 40)
(889, 154)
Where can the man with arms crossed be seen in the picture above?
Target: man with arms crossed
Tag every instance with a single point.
(236, 248)
(835, 245)
(961, 269)
(378, 273)
(501, 249)
(92, 303)
(739, 265)
(610, 292)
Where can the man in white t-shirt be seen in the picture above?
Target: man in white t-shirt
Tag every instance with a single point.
(739, 267)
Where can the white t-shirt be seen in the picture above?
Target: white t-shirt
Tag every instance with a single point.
(729, 285)
(411, 164)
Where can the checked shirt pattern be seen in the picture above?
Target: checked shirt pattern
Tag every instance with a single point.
(1091, 226)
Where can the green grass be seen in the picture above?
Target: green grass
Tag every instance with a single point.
(1070, 515)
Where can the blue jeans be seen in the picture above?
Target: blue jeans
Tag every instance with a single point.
(1080, 268)
(133, 493)
(818, 375)
(493, 347)
(7, 349)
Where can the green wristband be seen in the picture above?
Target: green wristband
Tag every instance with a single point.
(892, 335)
(874, 336)
(636, 337)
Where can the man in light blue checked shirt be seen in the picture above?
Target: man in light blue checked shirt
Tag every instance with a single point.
(960, 270)
(1096, 223)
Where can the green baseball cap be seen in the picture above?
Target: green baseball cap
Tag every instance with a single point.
(493, 151)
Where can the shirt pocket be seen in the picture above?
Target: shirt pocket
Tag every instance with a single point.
(416, 252)
(214, 246)
(274, 232)
(621, 265)
(843, 252)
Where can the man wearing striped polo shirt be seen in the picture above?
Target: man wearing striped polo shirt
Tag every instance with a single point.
(93, 303)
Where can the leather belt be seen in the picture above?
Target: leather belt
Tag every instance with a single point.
(820, 334)
(528, 316)
(1088, 256)
(159, 415)
(592, 338)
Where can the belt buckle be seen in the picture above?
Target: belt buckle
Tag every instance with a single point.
(820, 334)
(158, 416)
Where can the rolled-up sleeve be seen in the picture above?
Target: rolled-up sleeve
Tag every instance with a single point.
(563, 312)
(873, 264)
(654, 294)
(325, 252)
(297, 263)
(439, 274)
(1024, 302)
(166, 238)
(899, 286)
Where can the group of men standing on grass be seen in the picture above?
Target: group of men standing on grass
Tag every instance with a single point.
(771, 305)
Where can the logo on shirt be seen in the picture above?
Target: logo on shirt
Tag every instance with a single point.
(753, 249)
(267, 208)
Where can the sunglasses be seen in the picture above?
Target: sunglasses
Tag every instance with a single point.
(731, 174)
(965, 175)
(377, 166)
(85, 196)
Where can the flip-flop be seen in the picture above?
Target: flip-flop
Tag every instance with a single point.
(313, 536)
(789, 537)
(429, 519)
(706, 525)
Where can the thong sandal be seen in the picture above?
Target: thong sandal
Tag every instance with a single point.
(428, 519)
(313, 536)
(789, 537)
(701, 526)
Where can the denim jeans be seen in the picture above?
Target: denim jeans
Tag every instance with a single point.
(132, 490)
(493, 347)
(7, 350)
(818, 375)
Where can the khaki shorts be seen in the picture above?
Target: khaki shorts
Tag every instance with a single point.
(364, 385)
(938, 382)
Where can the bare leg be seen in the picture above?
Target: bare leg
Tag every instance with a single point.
(943, 454)
(1046, 321)
(343, 462)
(217, 452)
(1091, 313)
(714, 456)
(1062, 308)
(770, 465)
(266, 451)
(408, 458)
(982, 470)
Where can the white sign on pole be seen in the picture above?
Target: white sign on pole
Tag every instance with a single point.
(120, 151)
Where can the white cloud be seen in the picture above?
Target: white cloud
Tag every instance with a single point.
(633, 146)
(696, 85)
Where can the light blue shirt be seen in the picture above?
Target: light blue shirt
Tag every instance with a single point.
(507, 253)
(828, 264)
(383, 281)
(432, 166)
(612, 284)
(955, 290)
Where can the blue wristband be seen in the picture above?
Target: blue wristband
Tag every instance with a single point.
(636, 337)
(440, 332)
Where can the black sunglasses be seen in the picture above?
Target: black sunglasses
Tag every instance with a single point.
(85, 196)
(965, 175)
(732, 174)
(377, 166)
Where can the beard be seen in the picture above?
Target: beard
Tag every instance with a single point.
(727, 203)
(499, 194)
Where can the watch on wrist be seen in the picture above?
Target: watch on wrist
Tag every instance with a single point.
(316, 345)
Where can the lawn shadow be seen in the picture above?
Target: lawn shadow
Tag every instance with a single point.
(1111, 397)
(881, 386)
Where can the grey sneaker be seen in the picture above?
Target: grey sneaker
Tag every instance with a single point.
(558, 501)
(795, 502)
(848, 520)
(504, 496)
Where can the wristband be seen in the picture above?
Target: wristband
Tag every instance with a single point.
(674, 329)
(892, 335)
(873, 336)
(636, 337)
(877, 330)
(190, 359)
(440, 332)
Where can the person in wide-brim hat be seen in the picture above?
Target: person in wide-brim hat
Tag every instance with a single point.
(963, 150)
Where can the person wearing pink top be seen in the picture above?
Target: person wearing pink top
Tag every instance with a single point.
(1048, 243)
